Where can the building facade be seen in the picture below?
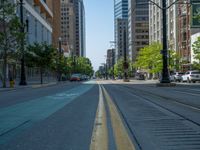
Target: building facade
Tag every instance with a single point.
(194, 38)
(138, 26)
(73, 26)
(82, 34)
(110, 58)
(55, 6)
(155, 23)
(187, 32)
(38, 17)
(121, 27)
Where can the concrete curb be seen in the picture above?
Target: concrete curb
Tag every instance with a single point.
(33, 86)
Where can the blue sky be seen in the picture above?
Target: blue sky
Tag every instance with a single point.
(99, 29)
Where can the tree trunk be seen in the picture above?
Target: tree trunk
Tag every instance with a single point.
(5, 50)
(41, 76)
(4, 68)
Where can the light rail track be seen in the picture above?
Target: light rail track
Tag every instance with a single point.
(169, 133)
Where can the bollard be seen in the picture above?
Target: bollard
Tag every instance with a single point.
(12, 83)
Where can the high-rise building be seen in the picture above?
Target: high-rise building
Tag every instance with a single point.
(138, 26)
(39, 18)
(73, 26)
(110, 58)
(172, 27)
(180, 28)
(156, 24)
(186, 30)
(121, 27)
(55, 6)
(82, 34)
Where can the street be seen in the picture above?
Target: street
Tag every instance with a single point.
(101, 115)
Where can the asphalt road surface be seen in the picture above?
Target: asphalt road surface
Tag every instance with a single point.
(101, 115)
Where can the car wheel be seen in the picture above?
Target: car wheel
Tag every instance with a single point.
(194, 81)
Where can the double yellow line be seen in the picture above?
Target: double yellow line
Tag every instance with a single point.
(100, 138)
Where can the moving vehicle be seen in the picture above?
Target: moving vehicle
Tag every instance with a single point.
(191, 76)
(75, 77)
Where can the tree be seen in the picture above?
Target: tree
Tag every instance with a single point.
(42, 56)
(196, 50)
(84, 66)
(119, 68)
(149, 58)
(9, 32)
(174, 60)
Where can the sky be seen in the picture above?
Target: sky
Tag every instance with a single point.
(99, 18)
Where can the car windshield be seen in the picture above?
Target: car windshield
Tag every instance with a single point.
(180, 73)
(76, 75)
(195, 72)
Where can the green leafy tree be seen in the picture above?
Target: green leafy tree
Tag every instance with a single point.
(83, 65)
(42, 56)
(119, 68)
(9, 32)
(149, 58)
(196, 49)
(174, 61)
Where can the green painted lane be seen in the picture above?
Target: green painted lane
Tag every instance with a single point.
(14, 119)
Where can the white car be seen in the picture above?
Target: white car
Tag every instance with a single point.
(176, 76)
(191, 76)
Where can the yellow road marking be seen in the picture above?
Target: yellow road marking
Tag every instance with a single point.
(122, 139)
(100, 134)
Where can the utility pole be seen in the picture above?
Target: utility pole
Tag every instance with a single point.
(165, 70)
(106, 71)
(60, 51)
(23, 74)
(125, 65)
(113, 63)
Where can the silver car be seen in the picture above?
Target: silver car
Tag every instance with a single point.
(191, 76)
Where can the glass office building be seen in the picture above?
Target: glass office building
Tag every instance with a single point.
(121, 26)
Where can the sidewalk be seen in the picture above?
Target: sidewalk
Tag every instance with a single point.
(29, 85)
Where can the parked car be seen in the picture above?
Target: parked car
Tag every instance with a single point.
(84, 77)
(176, 77)
(75, 77)
(191, 76)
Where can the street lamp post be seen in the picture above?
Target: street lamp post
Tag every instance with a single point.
(125, 65)
(106, 71)
(74, 63)
(60, 51)
(165, 70)
(23, 75)
(113, 63)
